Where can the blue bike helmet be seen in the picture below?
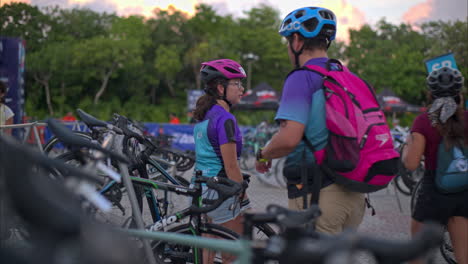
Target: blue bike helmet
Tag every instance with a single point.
(310, 22)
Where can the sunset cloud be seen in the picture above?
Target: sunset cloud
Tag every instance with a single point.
(431, 10)
(349, 17)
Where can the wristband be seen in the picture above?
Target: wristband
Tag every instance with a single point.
(259, 156)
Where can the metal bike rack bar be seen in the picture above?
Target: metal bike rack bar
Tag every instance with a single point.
(240, 248)
(134, 203)
(28, 127)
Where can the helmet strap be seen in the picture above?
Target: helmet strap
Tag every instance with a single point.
(296, 54)
(224, 97)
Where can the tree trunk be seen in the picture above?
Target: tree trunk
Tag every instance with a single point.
(171, 88)
(45, 83)
(48, 99)
(153, 94)
(197, 77)
(62, 88)
(105, 79)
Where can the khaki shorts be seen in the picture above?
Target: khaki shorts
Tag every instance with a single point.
(341, 209)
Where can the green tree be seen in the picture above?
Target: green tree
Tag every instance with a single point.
(389, 57)
(104, 56)
(27, 22)
(448, 37)
(168, 65)
(48, 66)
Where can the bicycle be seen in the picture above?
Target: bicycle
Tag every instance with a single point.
(293, 245)
(161, 222)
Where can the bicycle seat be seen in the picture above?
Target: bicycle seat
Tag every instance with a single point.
(90, 120)
(67, 137)
(291, 218)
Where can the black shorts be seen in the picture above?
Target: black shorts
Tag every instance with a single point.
(432, 205)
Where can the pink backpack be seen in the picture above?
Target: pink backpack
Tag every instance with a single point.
(359, 154)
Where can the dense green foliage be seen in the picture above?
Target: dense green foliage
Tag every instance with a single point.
(142, 67)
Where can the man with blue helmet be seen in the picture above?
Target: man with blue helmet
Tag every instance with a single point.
(309, 32)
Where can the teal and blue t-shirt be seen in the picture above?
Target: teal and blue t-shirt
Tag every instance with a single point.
(303, 101)
(217, 128)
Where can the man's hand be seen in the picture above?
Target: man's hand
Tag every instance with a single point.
(263, 167)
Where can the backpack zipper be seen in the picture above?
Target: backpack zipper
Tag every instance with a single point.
(366, 134)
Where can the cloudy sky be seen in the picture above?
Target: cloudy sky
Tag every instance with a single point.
(351, 13)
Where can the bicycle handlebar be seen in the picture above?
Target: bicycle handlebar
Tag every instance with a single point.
(292, 219)
(121, 122)
(309, 249)
(225, 187)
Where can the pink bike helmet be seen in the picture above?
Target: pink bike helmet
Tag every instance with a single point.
(224, 68)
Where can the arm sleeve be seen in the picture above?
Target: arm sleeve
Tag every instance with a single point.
(226, 131)
(9, 114)
(420, 125)
(297, 94)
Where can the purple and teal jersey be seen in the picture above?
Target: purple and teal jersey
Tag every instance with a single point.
(219, 127)
(303, 101)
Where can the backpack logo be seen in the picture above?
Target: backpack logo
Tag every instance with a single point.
(460, 164)
(383, 138)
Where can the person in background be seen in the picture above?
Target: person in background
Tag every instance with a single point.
(445, 122)
(173, 119)
(218, 139)
(69, 117)
(6, 115)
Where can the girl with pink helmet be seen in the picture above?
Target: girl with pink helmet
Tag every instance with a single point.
(218, 140)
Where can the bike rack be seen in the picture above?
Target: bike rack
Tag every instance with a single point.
(240, 248)
(28, 128)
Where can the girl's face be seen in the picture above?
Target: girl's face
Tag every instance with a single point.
(234, 90)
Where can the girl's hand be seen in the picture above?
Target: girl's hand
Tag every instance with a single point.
(263, 167)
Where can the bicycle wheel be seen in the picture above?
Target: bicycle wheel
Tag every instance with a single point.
(262, 232)
(168, 252)
(120, 214)
(415, 195)
(54, 147)
(446, 249)
(401, 186)
(280, 179)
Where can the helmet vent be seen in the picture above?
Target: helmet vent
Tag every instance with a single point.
(299, 14)
(310, 24)
(229, 69)
(326, 15)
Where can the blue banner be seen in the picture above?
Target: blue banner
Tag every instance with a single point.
(12, 56)
(446, 60)
(192, 97)
(183, 136)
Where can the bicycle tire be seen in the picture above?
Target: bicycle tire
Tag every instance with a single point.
(167, 252)
(446, 249)
(415, 195)
(280, 179)
(401, 186)
(117, 195)
(54, 141)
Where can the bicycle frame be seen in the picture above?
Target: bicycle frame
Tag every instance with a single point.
(160, 222)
